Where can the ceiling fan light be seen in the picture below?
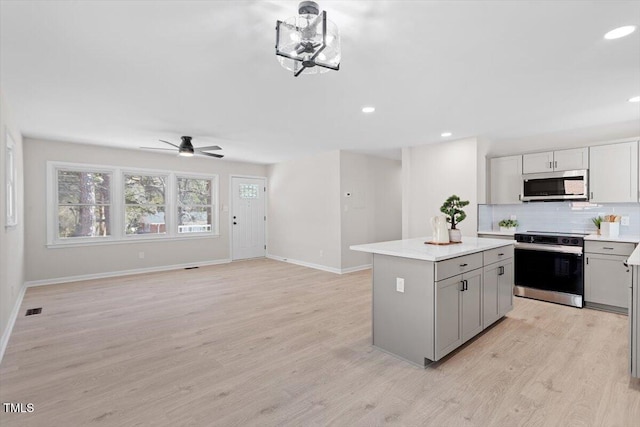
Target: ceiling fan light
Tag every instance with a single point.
(185, 153)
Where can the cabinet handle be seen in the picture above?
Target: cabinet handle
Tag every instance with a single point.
(625, 264)
(519, 196)
(591, 195)
(550, 165)
(466, 285)
(587, 261)
(501, 254)
(462, 283)
(555, 164)
(463, 265)
(500, 270)
(605, 247)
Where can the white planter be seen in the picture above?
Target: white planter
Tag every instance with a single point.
(507, 229)
(455, 235)
(610, 229)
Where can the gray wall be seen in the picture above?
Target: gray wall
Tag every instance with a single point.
(373, 211)
(47, 264)
(304, 210)
(11, 239)
(432, 173)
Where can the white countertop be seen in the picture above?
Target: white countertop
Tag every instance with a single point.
(417, 249)
(623, 238)
(497, 233)
(634, 258)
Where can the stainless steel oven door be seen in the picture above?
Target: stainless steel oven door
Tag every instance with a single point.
(549, 268)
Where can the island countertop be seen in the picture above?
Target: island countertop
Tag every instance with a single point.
(417, 249)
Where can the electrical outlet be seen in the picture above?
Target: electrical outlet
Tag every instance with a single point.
(141, 255)
(399, 284)
(624, 220)
(512, 218)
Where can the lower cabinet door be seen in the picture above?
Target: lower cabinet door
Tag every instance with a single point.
(447, 327)
(505, 288)
(607, 280)
(490, 295)
(471, 310)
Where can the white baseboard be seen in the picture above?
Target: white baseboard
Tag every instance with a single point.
(319, 266)
(12, 321)
(356, 268)
(105, 275)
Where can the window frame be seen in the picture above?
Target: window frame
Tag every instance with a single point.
(215, 208)
(118, 205)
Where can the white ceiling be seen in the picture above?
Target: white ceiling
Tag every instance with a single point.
(128, 73)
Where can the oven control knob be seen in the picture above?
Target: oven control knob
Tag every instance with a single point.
(575, 241)
(565, 240)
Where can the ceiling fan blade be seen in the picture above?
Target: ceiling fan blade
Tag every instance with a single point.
(156, 148)
(209, 148)
(202, 153)
(170, 143)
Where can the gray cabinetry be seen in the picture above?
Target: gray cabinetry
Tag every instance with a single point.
(607, 278)
(506, 179)
(497, 293)
(458, 310)
(634, 324)
(613, 173)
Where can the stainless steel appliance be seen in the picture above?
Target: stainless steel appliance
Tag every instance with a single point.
(565, 185)
(548, 267)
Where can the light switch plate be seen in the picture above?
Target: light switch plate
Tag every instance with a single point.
(513, 218)
(399, 284)
(624, 220)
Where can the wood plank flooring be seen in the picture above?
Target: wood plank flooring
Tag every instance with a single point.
(265, 343)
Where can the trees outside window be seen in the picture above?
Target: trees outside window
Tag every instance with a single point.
(84, 203)
(145, 204)
(195, 206)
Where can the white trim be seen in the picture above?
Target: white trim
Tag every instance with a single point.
(305, 264)
(264, 179)
(118, 206)
(356, 268)
(79, 278)
(6, 334)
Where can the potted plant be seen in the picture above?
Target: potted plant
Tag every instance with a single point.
(597, 221)
(452, 208)
(508, 225)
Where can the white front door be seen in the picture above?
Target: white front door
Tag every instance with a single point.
(248, 217)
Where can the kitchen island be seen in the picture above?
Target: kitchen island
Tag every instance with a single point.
(428, 300)
(634, 314)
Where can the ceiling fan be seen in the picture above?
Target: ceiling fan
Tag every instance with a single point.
(187, 149)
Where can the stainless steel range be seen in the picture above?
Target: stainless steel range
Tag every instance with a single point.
(549, 267)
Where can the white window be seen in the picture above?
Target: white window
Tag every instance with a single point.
(196, 207)
(145, 204)
(83, 208)
(107, 204)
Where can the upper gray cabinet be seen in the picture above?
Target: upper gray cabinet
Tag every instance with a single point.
(613, 173)
(506, 179)
(561, 160)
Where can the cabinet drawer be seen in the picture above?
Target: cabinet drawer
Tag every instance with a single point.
(610, 248)
(453, 266)
(498, 254)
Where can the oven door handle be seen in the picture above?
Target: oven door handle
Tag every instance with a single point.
(573, 250)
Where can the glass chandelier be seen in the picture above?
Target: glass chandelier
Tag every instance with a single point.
(308, 43)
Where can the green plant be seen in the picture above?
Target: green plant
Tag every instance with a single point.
(509, 223)
(452, 208)
(597, 221)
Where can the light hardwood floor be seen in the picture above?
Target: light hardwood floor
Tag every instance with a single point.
(265, 343)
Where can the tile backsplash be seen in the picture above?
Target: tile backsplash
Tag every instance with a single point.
(558, 216)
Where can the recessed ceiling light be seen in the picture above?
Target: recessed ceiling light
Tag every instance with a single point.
(620, 32)
(635, 99)
(445, 134)
(368, 109)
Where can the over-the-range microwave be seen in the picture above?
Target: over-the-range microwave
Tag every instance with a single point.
(548, 186)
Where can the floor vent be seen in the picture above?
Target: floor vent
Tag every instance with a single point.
(32, 311)
(190, 268)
